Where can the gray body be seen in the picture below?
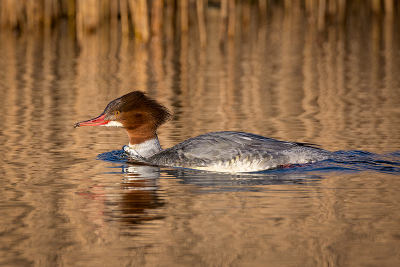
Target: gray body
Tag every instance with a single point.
(234, 152)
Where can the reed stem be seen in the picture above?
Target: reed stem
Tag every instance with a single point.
(88, 16)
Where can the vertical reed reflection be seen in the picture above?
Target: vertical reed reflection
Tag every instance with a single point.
(310, 85)
(289, 90)
(33, 140)
(392, 97)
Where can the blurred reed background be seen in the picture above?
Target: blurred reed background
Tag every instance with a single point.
(152, 18)
(278, 75)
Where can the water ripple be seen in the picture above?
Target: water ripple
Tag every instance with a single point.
(345, 162)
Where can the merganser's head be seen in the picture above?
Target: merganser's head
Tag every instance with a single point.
(138, 114)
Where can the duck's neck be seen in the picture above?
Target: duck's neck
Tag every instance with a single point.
(145, 149)
(143, 141)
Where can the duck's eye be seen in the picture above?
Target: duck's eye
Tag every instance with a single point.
(117, 112)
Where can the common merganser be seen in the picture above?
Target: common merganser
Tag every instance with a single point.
(230, 152)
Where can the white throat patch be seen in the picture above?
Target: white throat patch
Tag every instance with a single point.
(145, 149)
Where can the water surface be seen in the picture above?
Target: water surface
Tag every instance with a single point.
(63, 205)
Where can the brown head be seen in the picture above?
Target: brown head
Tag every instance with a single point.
(138, 114)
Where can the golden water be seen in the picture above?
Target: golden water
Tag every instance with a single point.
(279, 78)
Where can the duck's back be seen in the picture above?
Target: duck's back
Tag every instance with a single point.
(236, 152)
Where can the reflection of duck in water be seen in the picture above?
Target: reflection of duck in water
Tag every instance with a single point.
(218, 151)
(140, 194)
(135, 200)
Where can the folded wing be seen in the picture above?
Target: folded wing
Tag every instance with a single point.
(236, 152)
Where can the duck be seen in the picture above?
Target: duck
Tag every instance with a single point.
(224, 151)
